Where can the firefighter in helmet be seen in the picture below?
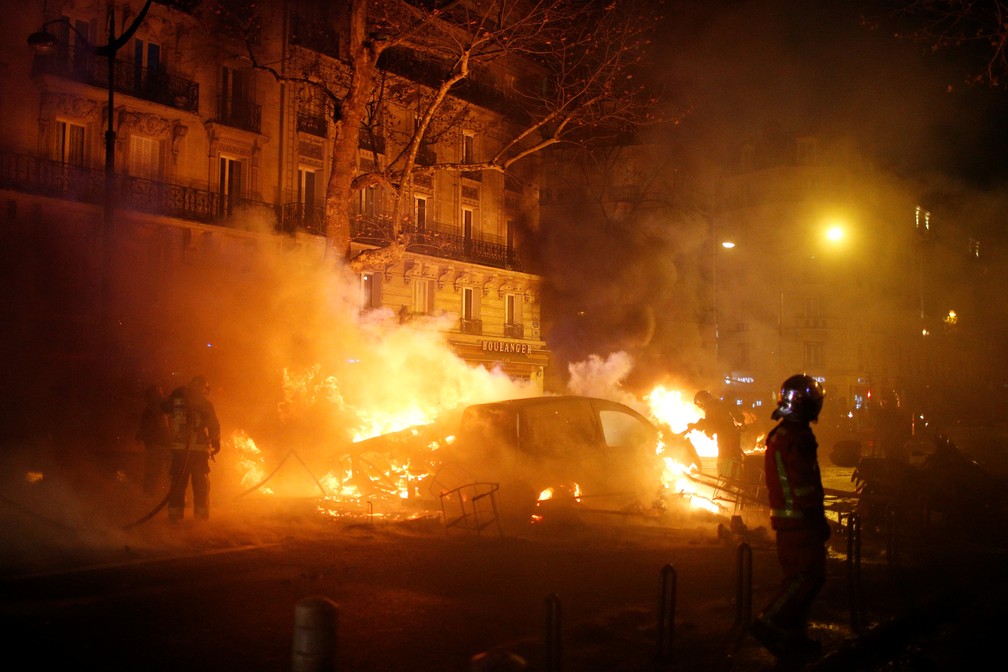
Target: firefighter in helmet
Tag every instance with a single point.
(726, 423)
(797, 515)
(195, 440)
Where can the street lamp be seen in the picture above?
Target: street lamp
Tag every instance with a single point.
(726, 244)
(44, 42)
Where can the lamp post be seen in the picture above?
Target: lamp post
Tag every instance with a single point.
(726, 244)
(43, 42)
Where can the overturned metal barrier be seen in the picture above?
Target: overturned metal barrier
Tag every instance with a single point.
(471, 507)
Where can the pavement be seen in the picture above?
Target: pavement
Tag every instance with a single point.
(933, 605)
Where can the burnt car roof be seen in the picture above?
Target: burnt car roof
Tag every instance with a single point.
(525, 402)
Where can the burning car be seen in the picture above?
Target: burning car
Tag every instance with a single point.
(557, 456)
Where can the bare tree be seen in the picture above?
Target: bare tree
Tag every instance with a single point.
(581, 65)
(978, 28)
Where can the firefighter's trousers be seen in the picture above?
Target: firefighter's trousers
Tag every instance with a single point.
(802, 556)
(195, 469)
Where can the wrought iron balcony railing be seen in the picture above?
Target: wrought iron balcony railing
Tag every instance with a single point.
(239, 113)
(472, 327)
(30, 174)
(313, 123)
(153, 84)
(514, 330)
(296, 217)
(34, 175)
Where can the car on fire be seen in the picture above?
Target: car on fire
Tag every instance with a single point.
(557, 457)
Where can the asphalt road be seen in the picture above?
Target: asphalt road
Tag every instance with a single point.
(412, 595)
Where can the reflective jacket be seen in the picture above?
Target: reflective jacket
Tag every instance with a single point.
(794, 486)
(193, 420)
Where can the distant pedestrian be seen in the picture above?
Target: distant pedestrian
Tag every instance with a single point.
(797, 515)
(155, 434)
(195, 440)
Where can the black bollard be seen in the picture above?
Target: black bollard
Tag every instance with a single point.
(743, 587)
(497, 660)
(666, 613)
(554, 658)
(315, 623)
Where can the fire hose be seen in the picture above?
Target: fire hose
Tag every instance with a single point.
(176, 482)
(277, 468)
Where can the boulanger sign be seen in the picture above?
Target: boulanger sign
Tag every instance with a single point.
(506, 347)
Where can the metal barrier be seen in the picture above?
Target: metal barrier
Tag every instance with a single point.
(666, 613)
(854, 593)
(472, 507)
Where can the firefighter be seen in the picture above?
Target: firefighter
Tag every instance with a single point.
(156, 436)
(721, 420)
(797, 515)
(195, 440)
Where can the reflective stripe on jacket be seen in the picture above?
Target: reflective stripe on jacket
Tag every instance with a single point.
(794, 485)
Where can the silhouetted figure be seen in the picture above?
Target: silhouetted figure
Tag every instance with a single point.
(797, 515)
(156, 436)
(726, 423)
(195, 440)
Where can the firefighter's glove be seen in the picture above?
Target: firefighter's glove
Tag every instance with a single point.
(215, 446)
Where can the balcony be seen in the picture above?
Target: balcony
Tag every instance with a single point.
(471, 327)
(514, 330)
(32, 175)
(296, 217)
(312, 123)
(439, 243)
(371, 142)
(239, 113)
(155, 85)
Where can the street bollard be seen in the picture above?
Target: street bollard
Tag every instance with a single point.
(315, 624)
(497, 660)
(854, 593)
(666, 613)
(554, 661)
(743, 587)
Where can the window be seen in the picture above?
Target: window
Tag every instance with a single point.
(69, 143)
(145, 157)
(423, 296)
(513, 309)
(620, 429)
(467, 224)
(367, 198)
(470, 304)
(813, 355)
(370, 291)
(420, 214)
(146, 63)
(235, 106)
(229, 184)
(468, 142)
(73, 42)
(306, 187)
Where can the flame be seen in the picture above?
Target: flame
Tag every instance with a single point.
(34, 477)
(250, 458)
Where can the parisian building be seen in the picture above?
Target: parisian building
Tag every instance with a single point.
(212, 155)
